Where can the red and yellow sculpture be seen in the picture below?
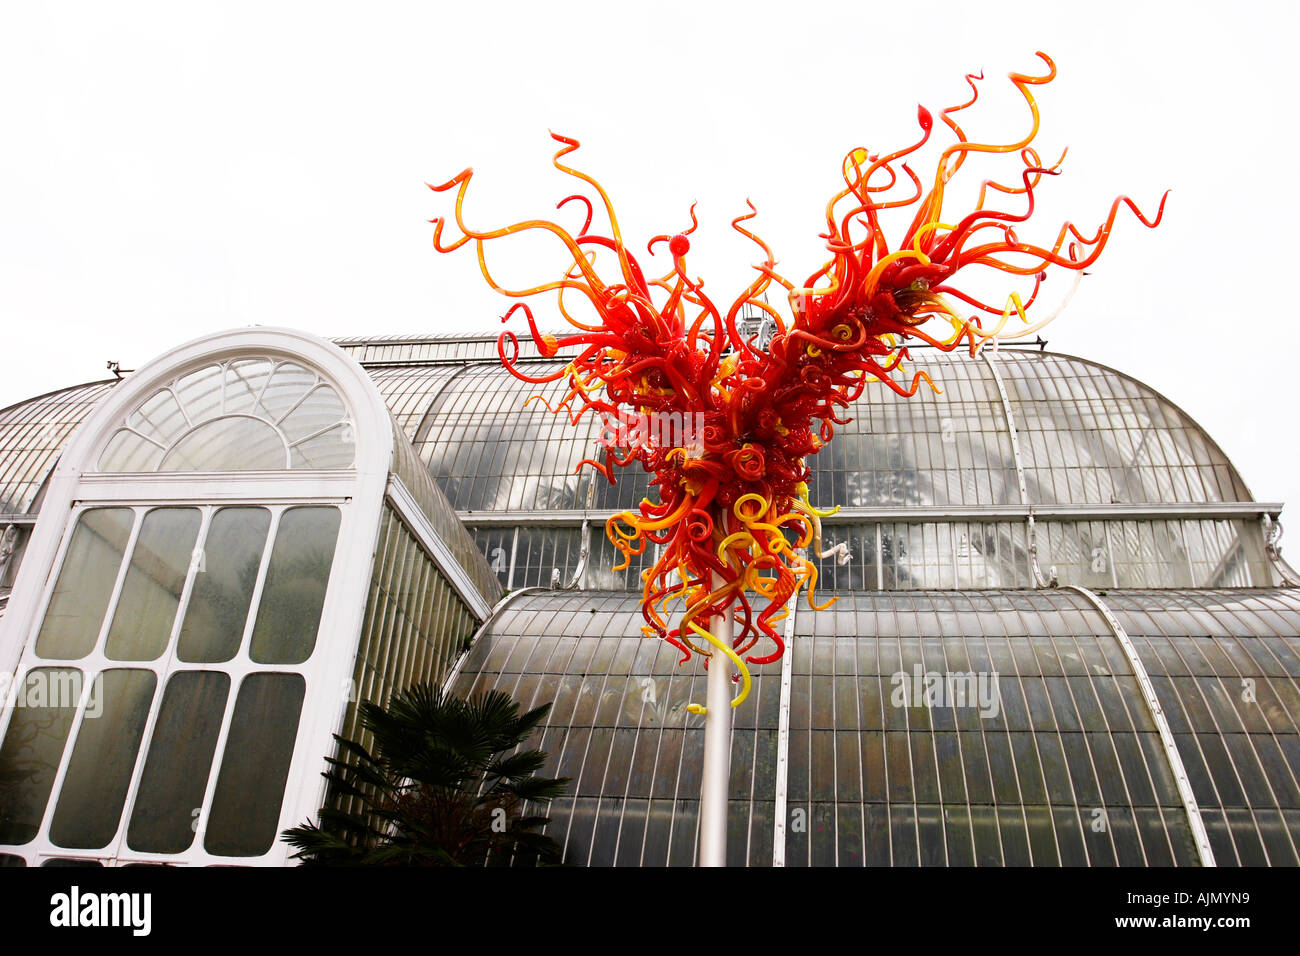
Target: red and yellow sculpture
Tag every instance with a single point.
(733, 516)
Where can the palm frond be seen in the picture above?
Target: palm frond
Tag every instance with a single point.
(517, 765)
(430, 789)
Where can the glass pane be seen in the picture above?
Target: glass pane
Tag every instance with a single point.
(1042, 836)
(68, 861)
(159, 419)
(127, 451)
(85, 584)
(321, 409)
(244, 383)
(237, 443)
(146, 611)
(180, 756)
(90, 802)
(223, 585)
(250, 788)
(289, 614)
(332, 449)
(289, 384)
(33, 748)
(200, 393)
(1015, 839)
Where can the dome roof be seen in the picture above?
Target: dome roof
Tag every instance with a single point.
(1089, 435)
(957, 508)
(32, 436)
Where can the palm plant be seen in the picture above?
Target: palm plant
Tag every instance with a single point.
(443, 785)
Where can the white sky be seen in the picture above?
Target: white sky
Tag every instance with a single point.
(173, 169)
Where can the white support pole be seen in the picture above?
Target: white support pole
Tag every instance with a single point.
(717, 751)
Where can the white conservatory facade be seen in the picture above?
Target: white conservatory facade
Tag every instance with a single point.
(208, 563)
(204, 601)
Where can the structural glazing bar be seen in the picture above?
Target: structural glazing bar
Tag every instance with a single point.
(1039, 581)
(783, 741)
(1194, 820)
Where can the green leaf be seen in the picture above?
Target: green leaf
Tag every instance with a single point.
(424, 792)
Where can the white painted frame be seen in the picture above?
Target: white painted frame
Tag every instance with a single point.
(359, 493)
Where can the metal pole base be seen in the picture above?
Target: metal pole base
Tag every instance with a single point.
(717, 753)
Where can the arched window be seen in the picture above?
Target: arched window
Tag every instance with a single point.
(247, 414)
(200, 610)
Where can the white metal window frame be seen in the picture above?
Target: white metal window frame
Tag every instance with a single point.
(192, 426)
(358, 492)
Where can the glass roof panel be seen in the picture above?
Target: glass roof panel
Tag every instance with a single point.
(33, 433)
(1056, 763)
(1088, 434)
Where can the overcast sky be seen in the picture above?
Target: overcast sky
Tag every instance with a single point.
(177, 168)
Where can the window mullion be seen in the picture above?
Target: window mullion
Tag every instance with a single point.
(255, 603)
(128, 552)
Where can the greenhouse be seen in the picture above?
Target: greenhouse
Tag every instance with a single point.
(1063, 633)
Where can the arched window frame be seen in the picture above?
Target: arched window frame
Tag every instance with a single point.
(272, 392)
(76, 487)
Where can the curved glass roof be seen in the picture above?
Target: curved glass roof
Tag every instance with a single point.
(1063, 765)
(415, 349)
(1066, 768)
(492, 449)
(32, 435)
(410, 390)
(1089, 435)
